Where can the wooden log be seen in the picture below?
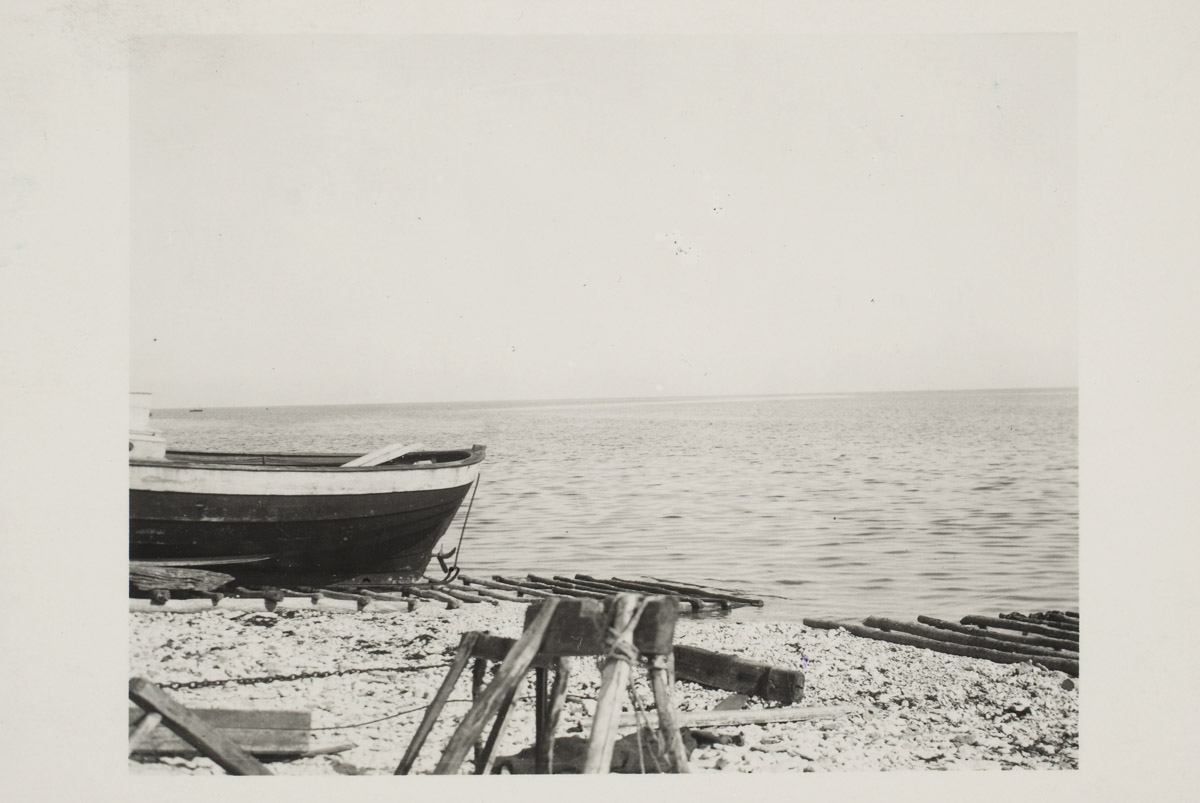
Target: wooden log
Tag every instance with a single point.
(499, 595)
(765, 716)
(465, 646)
(977, 640)
(1032, 641)
(148, 577)
(614, 677)
(205, 738)
(695, 603)
(731, 673)
(1040, 619)
(1062, 664)
(516, 589)
(668, 722)
(675, 588)
(510, 673)
(553, 588)
(1022, 627)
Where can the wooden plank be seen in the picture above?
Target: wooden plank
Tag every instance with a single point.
(1071, 667)
(263, 733)
(979, 640)
(716, 719)
(205, 738)
(731, 673)
(1022, 627)
(580, 625)
(382, 455)
(510, 673)
(1033, 641)
(149, 578)
(267, 718)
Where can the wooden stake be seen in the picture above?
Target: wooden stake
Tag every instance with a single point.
(205, 738)
(511, 672)
(614, 677)
(439, 701)
(478, 675)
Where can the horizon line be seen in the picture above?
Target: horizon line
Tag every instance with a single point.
(595, 399)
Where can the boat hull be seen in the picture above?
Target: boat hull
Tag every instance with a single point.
(302, 525)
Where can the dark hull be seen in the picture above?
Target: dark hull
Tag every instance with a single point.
(299, 540)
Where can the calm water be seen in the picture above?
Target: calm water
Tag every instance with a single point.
(887, 503)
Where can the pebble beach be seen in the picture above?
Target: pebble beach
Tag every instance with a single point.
(911, 709)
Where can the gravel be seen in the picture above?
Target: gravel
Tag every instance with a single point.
(915, 709)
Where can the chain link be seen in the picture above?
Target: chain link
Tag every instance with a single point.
(321, 673)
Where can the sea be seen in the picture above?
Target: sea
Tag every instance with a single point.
(831, 505)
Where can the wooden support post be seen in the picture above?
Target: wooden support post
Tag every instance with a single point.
(205, 738)
(668, 725)
(439, 701)
(478, 675)
(558, 696)
(614, 677)
(540, 690)
(484, 767)
(511, 671)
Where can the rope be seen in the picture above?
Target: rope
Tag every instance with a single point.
(453, 571)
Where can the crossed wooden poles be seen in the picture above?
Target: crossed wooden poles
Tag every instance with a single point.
(619, 629)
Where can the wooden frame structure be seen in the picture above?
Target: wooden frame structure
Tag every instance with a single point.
(619, 629)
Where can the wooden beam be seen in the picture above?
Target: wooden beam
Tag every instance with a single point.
(510, 673)
(716, 719)
(465, 647)
(205, 738)
(731, 673)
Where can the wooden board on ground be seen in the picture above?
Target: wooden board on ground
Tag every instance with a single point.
(264, 734)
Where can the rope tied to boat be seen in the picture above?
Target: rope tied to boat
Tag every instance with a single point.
(452, 572)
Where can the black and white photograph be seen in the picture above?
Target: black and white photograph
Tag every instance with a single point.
(514, 397)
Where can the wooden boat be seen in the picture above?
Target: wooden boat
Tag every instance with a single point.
(297, 518)
(300, 519)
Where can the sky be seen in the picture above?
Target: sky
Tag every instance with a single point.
(325, 220)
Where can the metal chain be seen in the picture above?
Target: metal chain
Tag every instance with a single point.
(204, 684)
